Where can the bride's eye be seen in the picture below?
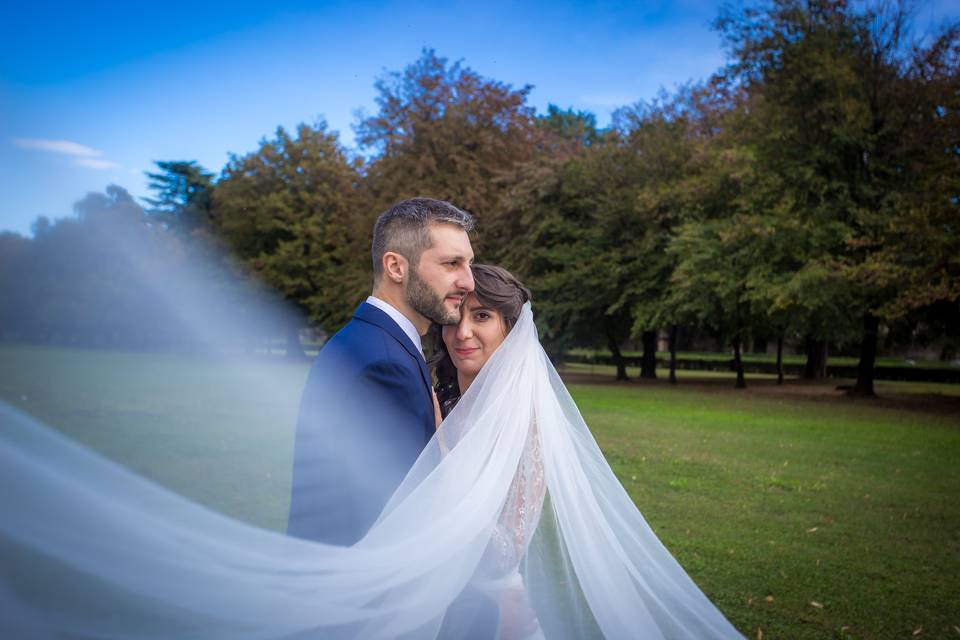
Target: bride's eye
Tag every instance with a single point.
(482, 315)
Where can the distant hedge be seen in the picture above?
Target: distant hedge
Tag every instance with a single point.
(910, 374)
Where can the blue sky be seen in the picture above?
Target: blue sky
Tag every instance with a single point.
(92, 93)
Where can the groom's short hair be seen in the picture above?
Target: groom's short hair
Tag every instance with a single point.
(405, 229)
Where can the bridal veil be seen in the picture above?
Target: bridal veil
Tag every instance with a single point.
(512, 495)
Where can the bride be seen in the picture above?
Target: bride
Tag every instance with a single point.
(512, 502)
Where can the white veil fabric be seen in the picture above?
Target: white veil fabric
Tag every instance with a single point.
(511, 499)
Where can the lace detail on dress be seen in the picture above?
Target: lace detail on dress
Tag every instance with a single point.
(499, 572)
(520, 515)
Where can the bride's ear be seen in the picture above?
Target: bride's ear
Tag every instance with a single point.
(395, 267)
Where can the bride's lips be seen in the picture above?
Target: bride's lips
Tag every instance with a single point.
(466, 351)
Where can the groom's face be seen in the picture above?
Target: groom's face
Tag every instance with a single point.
(437, 286)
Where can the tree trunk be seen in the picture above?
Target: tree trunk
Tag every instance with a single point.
(868, 357)
(294, 348)
(673, 354)
(615, 349)
(738, 363)
(648, 364)
(780, 359)
(816, 366)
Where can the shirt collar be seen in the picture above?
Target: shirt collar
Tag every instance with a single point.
(402, 321)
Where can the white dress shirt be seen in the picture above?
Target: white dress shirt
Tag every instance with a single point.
(401, 320)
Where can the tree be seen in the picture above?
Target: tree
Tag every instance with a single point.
(443, 130)
(573, 217)
(838, 91)
(665, 142)
(692, 168)
(918, 254)
(14, 287)
(569, 132)
(183, 196)
(560, 137)
(111, 277)
(295, 215)
(87, 282)
(711, 279)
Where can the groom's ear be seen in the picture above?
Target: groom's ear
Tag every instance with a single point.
(395, 267)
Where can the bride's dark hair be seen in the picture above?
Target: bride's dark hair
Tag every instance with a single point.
(495, 288)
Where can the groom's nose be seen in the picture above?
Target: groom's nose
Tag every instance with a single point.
(464, 281)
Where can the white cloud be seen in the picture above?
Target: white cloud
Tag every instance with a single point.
(84, 156)
(94, 163)
(58, 146)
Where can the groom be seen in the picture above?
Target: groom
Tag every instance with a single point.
(367, 410)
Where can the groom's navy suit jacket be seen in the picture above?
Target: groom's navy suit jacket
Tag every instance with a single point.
(365, 415)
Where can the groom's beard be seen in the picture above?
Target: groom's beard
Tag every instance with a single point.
(428, 303)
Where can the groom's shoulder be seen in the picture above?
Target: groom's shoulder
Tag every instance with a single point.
(363, 338)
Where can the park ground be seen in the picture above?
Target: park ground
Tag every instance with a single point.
(802, 513)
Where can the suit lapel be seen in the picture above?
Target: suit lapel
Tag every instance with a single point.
(373, 315)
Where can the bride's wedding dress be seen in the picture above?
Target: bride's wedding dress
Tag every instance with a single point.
(512, 498)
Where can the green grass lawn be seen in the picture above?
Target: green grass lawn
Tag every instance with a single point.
(799, 512)
(774, 504)
(219, 430)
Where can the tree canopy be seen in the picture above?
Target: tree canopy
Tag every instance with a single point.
(807, 191)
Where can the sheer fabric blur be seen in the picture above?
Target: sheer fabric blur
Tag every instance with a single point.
(512, 498)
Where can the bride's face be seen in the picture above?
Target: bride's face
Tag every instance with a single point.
(471, 342)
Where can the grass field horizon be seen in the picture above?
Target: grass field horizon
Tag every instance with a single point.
(801, 513)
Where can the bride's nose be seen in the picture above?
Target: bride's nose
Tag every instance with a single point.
(464, 332)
